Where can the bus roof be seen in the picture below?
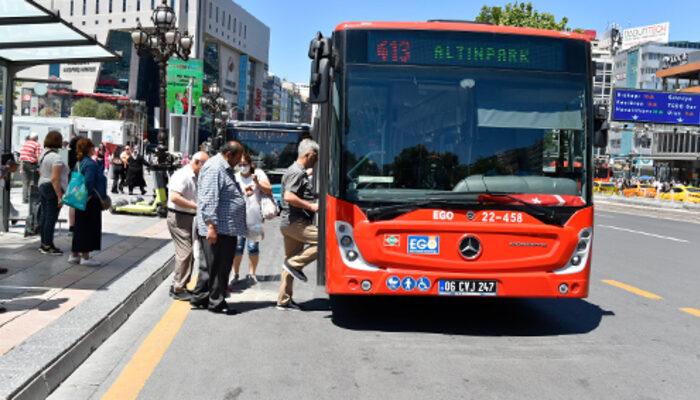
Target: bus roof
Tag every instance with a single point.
(283, 126)
(461, 27)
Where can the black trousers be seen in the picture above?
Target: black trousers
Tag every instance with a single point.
(49, 213)
(215, 264)
(119, 175)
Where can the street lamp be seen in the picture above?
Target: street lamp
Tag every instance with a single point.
(160, 43)
(217, 106)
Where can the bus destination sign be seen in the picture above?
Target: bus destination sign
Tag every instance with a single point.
(468, 51)
(630, 105)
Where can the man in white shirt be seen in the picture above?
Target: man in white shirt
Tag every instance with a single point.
(182, 207)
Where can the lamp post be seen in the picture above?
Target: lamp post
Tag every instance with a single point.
(216, 105)
(160, 43)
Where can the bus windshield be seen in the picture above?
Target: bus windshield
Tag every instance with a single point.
(412, 131)
(270, 150)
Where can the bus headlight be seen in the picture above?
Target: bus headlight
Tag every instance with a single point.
(578, 260)
(348, 248)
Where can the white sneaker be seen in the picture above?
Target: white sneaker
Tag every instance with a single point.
(74, 259)
(89, 262)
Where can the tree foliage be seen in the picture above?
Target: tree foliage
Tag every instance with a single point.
(85, 108)
(91, 108)
(107, 111)
(521, 14)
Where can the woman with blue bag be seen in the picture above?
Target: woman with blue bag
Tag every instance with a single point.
(87, 232)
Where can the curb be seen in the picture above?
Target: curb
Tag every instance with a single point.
(52, 374)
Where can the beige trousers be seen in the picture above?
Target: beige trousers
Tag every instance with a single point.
(300, 249)
(180, 226)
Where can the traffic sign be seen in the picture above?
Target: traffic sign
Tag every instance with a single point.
(646, 106)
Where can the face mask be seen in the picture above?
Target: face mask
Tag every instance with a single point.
(244, 169)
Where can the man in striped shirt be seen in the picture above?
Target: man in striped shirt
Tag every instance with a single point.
(29, 158)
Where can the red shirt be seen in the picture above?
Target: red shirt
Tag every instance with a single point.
(30, 151)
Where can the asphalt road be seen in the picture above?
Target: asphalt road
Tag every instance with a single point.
(628, 340)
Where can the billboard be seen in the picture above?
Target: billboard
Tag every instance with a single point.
(647, 106)
(179, 75)
(243, 83)
(658, 33)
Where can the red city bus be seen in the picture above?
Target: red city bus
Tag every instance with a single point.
(456, 159)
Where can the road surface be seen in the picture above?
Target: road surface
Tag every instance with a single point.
(636, 337)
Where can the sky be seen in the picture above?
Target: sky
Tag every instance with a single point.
(293, 23)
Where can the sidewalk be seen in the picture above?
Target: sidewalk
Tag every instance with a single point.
(648, 202)
(53, 306)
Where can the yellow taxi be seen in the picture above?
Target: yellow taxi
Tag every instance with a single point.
(605, 188)
(688, 194)
(640, 190)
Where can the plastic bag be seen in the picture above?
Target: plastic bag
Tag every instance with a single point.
(76, 195)
(269, 208)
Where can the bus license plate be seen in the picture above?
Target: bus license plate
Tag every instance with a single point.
(458, 287)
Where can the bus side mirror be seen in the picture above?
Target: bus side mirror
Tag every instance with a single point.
(600, 133)
(320, 54)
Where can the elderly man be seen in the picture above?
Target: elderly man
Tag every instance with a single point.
(300, 234)
(29, 158)
(182, 207)
(220, 219)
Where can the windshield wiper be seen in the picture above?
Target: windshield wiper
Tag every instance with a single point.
(545, 213)
(382, 212)
(536, 210)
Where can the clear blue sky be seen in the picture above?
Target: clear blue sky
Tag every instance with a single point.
(294, 22)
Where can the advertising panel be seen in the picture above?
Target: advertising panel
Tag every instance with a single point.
(180, 73)
(631, 105)
(243, 83)
(658, 33)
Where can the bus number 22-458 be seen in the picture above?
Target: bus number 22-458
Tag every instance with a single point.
(510, 217)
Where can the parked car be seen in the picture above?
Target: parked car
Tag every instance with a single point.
(640, 190)
(605, 188)
(688, 194)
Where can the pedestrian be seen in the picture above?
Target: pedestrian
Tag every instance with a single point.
(71, 166)
(8, 166)
(299, 205)
(29, 155)
(134, 172)
(118, 172)
(87, 232)
(53, 181)
(255, 185)
(182, 208)
(101, 156)
(220, 219)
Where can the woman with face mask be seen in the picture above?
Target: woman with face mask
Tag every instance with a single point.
(255, 185)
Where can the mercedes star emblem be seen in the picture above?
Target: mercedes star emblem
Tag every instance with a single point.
(471, 215)
(470, 247)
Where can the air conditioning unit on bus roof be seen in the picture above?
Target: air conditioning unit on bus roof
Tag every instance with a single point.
(459, 21)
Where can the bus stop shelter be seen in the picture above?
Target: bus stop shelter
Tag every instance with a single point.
(32, 35)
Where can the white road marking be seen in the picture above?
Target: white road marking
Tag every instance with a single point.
(644, 233)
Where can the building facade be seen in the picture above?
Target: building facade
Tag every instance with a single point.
(233, 44)
(665, 151)
(636, 67)
(602, 80)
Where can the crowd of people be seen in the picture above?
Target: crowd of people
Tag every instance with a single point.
(127, 170)
(215, 210)
(45, 172)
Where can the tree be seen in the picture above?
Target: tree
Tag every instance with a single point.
(85, 108)
(106, 111)
(521, 14)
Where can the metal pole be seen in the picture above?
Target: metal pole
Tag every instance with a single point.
(188, 145)
(6, 142)
(163, 132)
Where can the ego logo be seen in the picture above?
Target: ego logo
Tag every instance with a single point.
(425, 244)
(441, 215)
